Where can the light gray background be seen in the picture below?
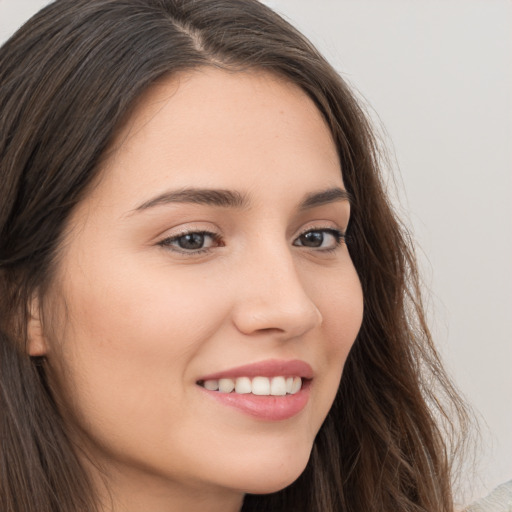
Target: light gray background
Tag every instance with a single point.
(437, 76)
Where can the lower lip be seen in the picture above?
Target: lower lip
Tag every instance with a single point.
(266, 407)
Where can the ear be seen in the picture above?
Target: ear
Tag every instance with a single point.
(37, 345)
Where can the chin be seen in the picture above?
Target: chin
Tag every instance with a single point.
(269, 486)
(274, 474)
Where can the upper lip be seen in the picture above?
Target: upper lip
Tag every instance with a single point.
(268, 368)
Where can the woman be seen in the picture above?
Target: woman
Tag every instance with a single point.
(207, 301)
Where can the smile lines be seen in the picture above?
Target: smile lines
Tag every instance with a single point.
(275, 386)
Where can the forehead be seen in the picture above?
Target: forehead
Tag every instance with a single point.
(201, 89)
(214, 128)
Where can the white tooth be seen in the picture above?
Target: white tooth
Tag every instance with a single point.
(243, 385)
(212, 385)
(226, 385)
(261, 386)
(297, 384)
(278, 386)
(289, 384)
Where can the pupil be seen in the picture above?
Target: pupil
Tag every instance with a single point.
(312, 239)
(191, 241)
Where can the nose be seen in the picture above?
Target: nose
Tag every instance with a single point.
(273, 299)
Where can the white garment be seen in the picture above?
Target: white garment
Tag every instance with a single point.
(500, 500)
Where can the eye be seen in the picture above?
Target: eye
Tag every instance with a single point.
(192, 242)
(324, 239)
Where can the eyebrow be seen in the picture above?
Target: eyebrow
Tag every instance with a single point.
(331, 195)
(210, 197)
(234, 199)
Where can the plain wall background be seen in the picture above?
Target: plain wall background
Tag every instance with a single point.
(438, 77)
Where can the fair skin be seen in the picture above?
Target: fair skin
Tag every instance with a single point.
(139, 317)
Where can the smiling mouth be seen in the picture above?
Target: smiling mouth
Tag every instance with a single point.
(260, 386)
(272, 390)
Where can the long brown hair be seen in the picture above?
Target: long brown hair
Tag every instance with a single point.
(68, 79)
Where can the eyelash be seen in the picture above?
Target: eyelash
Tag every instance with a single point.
(338, 235)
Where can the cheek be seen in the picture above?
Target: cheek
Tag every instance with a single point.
(343, 315)
(128, 338)
(339, 298)
(340, 301)
(140, 311)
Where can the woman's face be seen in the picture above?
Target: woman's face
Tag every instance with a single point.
(210, 250)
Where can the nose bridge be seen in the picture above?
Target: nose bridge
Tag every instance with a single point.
(274, 297)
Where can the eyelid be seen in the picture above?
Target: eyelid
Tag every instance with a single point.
(166, 242)
(322, 226)
(186, 228)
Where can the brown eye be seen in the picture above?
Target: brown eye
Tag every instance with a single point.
(312, 239)
(326, 239)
